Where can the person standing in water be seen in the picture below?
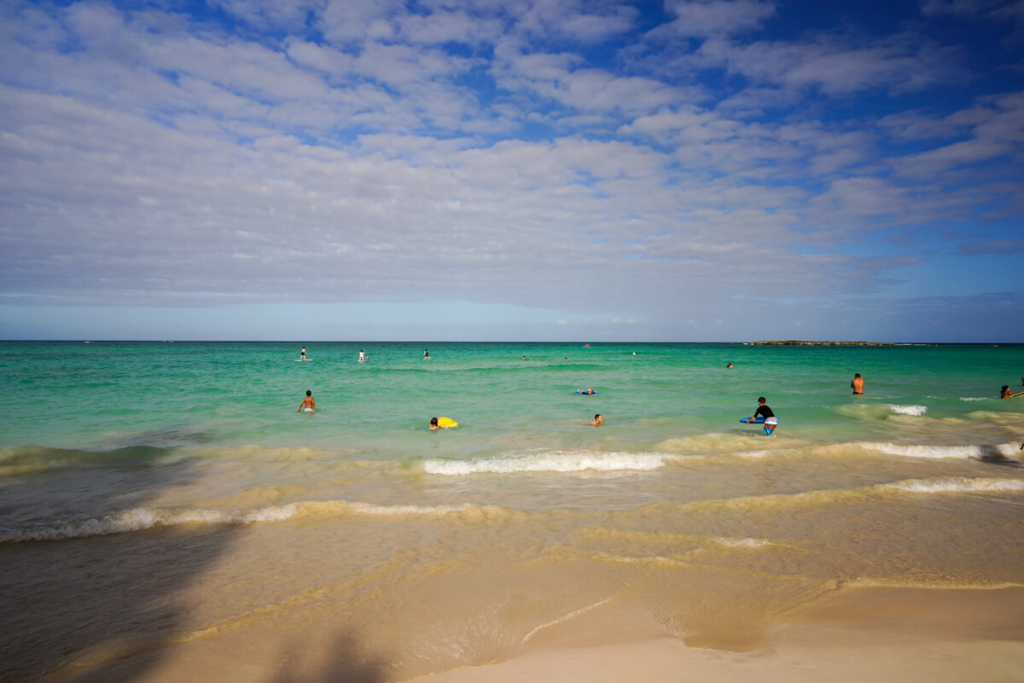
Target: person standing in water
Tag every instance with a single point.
(770, 421)
(308, 404)
(426, 354)
(302, 354)
(362, 356)
(858, 385)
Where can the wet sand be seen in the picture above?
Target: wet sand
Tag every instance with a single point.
(861, 634)
(858, 634)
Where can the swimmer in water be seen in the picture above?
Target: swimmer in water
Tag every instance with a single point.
(858, 385)
(1006, 393)
(433, 424)
(308, 404)
(728, 365)
(596, 422)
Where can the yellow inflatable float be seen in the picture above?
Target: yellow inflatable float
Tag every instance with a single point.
(442, 423)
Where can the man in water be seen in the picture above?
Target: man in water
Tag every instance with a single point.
(308, 404)
(596, 422)
(770, 421)
(728, 366)
(302, 356)
(588, 391)
(426, 354)
(1006, 393)
(858, 385)
(362, 356)
(433, 424)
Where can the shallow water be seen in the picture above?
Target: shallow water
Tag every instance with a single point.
(184, 471)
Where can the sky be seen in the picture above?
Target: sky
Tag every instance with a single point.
(485, 170)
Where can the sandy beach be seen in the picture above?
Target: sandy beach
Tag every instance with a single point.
(873, 634)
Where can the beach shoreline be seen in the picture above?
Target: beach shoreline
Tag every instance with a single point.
(880, 634)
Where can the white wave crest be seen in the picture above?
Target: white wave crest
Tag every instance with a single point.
(956, 485)
(742, 542)
(140, 519)
(370, 509)
(908, 410)
(962, 452)
(971, 398)
(554, 461)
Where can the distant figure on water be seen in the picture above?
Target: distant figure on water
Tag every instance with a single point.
(728, 366)
(524, 357)
(308, 405)
(596, 422)
(426, 354)
(770, 421)
(302, 354)
(858, 385)
(587, 392)
(362, 356)
(1006, 393)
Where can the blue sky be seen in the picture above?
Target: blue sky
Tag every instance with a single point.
(512, 170)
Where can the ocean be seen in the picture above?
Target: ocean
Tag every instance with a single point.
(167, 498)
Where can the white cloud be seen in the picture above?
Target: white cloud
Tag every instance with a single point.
(703, 18)
(159, 157)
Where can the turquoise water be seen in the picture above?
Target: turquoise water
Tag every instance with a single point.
(185, 471)
(104, 395)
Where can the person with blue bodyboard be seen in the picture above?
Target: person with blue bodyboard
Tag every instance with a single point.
(763, 411)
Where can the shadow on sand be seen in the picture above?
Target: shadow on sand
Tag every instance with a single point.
(88, 600)
(104, 607)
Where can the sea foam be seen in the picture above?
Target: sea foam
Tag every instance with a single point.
(141, 519)
(554, 461)
(962, 452)
(956, 485)
(908, 410)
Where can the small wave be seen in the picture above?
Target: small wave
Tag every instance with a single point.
(956, 485)
(824, 497)
(962, 452)
(554, 461)
(141, 519)
(742, 542)
(908, 410)
(971, 398)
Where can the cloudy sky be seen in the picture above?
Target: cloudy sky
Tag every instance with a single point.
(593, 170)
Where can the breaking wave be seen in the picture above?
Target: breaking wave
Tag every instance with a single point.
(956, 485)
(962, 452)
(908, 410)
(554, 461)
(141, 519)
